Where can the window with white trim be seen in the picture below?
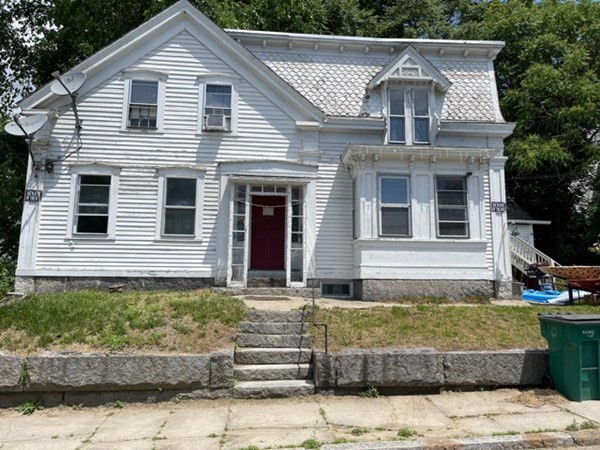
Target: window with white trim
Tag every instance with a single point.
(181, 204)
(143, 104)
(217, 107)
(93, 200)
(409, 116)
(93, 203)
(394, 206)
(144, 100)
(218, 103)
(452, 206)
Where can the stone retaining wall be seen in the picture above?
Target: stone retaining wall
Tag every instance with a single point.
(69, 373)
(96, 378)
(426, 368)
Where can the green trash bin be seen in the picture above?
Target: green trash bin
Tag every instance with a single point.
(574, 350)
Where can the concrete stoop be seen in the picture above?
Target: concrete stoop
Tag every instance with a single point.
(273, 358)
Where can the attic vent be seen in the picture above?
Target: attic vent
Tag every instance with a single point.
(215, 122)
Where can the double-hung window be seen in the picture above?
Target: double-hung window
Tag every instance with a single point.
(144, 100)
(218, 103)
(181, 203)
(452, 206)
(143, 104)
(93, 199)
(217, 107)
(394, 206)
(180, 206)
(409, 119)
(93, 202)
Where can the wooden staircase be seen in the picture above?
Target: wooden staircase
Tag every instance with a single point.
(273, 357)
(523, 255)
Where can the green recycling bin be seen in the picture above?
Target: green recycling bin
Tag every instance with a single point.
(574, 350)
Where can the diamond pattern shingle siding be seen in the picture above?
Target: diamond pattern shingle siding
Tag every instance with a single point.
(470, 96)
(337, 84)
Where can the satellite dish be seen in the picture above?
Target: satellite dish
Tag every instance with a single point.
(67, 84)
(27, 126)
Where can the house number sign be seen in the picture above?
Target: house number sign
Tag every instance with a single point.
(498, 207)
(32, 195)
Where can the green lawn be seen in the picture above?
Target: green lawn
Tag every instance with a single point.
(193, 321)
(446, 328)
(201, 321)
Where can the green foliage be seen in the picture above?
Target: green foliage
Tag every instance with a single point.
(29, 407)
(406, 433)
(549, 81)
(586, 425)
(370, 392)
(115, 322)
(311, 444)
(7, 276)
(359, 431)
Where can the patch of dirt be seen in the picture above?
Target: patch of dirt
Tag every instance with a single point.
(536, 398)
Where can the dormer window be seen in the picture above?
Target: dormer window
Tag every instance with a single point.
(409, 116)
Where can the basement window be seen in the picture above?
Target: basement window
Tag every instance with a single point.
(337, 290)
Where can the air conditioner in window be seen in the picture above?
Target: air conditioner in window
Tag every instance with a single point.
(215, 122)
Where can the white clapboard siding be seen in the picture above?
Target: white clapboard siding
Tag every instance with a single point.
(335, 256)
(264, 131)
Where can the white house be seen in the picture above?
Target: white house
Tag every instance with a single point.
(243, 158)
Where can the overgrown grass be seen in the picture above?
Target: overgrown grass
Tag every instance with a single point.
(472, 327)
(193, 321)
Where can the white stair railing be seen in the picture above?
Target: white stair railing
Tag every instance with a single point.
(523, 255)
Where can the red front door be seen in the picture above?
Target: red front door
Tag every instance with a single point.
(268, 233)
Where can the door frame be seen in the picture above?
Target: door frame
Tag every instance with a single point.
(247, 229)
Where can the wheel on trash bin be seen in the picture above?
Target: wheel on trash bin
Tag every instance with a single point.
(547, 382)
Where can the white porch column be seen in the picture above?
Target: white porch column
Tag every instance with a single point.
(500, 235)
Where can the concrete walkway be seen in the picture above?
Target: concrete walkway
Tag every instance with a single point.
(496, 418)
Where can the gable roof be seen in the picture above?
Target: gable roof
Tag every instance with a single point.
(183, 11)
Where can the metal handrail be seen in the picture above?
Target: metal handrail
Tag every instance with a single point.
(314, 319)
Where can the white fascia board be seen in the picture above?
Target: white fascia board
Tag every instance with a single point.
(488, 48)
(496, 129)
(166, 20)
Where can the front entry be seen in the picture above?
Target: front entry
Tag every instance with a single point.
(267, 250)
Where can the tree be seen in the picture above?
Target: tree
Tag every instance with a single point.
(548, 78)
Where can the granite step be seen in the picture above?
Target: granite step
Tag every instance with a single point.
(273, 340)
(252, 356)
(273, 389)
(274, 327)
(255, 315)
(259, 372)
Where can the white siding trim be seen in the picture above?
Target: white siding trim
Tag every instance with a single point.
(198, 175)
(146, 75)
(114, 172)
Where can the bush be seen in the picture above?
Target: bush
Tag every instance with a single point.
(7, 276)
